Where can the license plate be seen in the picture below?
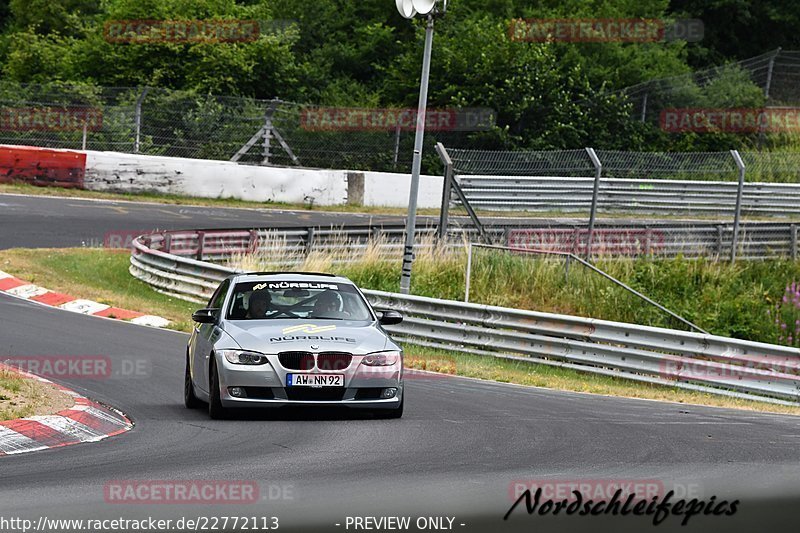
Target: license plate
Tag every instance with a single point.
(315, 380)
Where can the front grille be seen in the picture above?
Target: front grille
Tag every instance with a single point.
(333, 360)
(315, 395)
(296, 360)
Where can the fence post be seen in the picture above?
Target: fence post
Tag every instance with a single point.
(767, 87)
(444, 213)
(644, 108)
(268, 127)
(85, 132)
(598, 166)
(738, 213)
(137, 117)
(396, 145)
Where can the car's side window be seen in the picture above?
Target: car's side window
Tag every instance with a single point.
(219, 297)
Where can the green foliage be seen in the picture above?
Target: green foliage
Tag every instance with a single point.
(731, 300)
(363, 54)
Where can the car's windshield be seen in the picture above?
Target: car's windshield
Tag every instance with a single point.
(260, 300)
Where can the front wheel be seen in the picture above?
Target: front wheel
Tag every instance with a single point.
(189, 399)
(215, 409)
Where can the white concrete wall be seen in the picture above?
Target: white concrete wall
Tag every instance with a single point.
(213, 179)
(387, 189)
(114, 171)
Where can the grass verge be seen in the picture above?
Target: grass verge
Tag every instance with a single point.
(102, 275)
(21, 397)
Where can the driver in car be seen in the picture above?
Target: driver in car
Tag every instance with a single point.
(328, 305)
(259, 304)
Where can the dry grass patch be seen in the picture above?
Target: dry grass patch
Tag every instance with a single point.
(21, 397)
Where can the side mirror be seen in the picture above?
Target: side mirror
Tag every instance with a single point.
(389, 318)
(205, 316)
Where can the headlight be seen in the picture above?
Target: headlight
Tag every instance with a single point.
(381, 359)
(239, 357)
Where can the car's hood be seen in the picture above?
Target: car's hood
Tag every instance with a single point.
(274, 336)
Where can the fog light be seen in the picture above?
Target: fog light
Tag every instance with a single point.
(388, 393)
(236, 392)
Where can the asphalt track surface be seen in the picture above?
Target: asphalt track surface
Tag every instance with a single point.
(457, 451)
(44, 222)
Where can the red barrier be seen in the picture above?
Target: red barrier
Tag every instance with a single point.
(42, 166)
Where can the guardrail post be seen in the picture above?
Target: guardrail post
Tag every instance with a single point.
(444, 213)
(794, 242)
(720, 242)
(252, 244)
(737, 215)
(201, 237)
(310, 236)
(598, 166)
(648, 240)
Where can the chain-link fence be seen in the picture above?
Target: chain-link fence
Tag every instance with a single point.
(718, 190)
(181, 124)
(773, 75)
(184, 124)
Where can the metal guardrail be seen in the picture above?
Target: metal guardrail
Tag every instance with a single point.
(707, 363)
(757, 240)
(629, 196)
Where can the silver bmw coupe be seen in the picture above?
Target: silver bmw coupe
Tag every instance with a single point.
(279, 339)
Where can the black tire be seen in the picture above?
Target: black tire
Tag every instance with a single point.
(189, 399)
(215, 409)
(390, 414)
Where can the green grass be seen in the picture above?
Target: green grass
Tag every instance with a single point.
(103, 275)
(98, 274)
(724, 299)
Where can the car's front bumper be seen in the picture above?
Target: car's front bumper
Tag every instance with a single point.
(265, 386)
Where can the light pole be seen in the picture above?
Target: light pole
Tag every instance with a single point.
(408, 9)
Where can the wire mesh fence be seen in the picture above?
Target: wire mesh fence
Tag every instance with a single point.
(772, 78)
(276, 132)
(181, 124)
(650, 187)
